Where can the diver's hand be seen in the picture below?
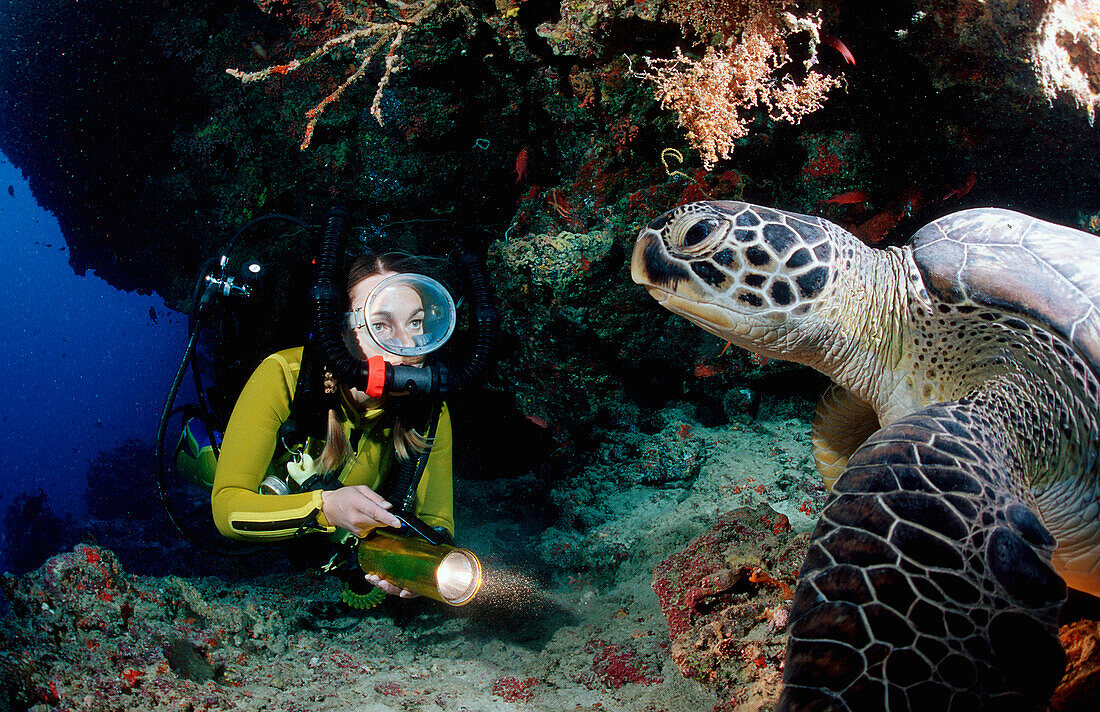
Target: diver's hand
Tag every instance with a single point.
(389, 587)
(358, 508)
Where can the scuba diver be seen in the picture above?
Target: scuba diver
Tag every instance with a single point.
(347, 440)
(364, 434)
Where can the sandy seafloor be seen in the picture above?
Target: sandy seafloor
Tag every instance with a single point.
(568, 619)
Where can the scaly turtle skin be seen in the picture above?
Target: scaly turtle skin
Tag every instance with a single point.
(960, 439)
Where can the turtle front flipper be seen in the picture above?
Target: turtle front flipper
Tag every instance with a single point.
(842, 423)
(928, 584)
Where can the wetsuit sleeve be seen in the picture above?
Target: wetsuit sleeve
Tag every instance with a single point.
(240, 511)
(435, 494)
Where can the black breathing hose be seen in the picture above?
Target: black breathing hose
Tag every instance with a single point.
(162, 426)
(162, 429)
(327, 301)
(486, 320)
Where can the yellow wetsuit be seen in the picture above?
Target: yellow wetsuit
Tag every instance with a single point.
(241, 512)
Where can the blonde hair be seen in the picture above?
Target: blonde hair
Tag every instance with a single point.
(407, 442)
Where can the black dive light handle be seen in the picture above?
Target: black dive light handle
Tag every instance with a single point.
(412, 525)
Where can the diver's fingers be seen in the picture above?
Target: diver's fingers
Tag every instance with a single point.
(375, 514)
(390, 588)
(384, 518)
(350, 508)
(373, 496)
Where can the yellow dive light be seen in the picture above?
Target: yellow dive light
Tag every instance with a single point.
(441, 572)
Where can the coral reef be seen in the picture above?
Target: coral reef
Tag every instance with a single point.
(524, 129)
(640, 493)
(726, 597)
(101, 636)
(553, 629)
(1080, 689)
(1066, 53)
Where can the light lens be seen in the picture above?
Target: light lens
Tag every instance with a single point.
(458, 577)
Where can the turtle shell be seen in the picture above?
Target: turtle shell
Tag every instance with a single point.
(1019, 264)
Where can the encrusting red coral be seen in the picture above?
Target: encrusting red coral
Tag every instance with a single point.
(512, 689)
(726, 613)
(617, 667)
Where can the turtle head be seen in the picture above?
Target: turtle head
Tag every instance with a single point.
(748, 274)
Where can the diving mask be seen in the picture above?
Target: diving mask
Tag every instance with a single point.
(406, 314)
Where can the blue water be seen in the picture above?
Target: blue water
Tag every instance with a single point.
(83, 366)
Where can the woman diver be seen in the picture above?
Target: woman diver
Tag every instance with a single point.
(266, 489)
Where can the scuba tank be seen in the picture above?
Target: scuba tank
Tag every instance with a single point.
(197, 449)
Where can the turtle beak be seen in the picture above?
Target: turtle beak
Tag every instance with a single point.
(637, 259)
(650, 265)
(711, 318)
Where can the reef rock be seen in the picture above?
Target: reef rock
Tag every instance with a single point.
(726, 598)
(1080, 688)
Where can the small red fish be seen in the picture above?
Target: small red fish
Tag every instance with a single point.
(839, 47)
(852, 197)
(875, 228)
(965, 188)
(521, 164)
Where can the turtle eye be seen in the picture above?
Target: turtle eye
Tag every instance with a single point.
(694, 237)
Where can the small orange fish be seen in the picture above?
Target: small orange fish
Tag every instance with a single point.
(839, 47)
(852, 197)
(521, 164)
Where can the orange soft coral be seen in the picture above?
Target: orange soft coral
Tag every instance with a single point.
(737, 72)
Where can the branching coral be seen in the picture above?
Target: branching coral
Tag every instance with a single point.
(744, 67)
(382, 27)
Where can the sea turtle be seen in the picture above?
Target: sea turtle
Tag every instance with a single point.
(959, 438)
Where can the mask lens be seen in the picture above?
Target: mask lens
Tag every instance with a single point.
(409, 314)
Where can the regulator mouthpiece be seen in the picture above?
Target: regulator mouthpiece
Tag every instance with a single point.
(440, 572)
(406, 314)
